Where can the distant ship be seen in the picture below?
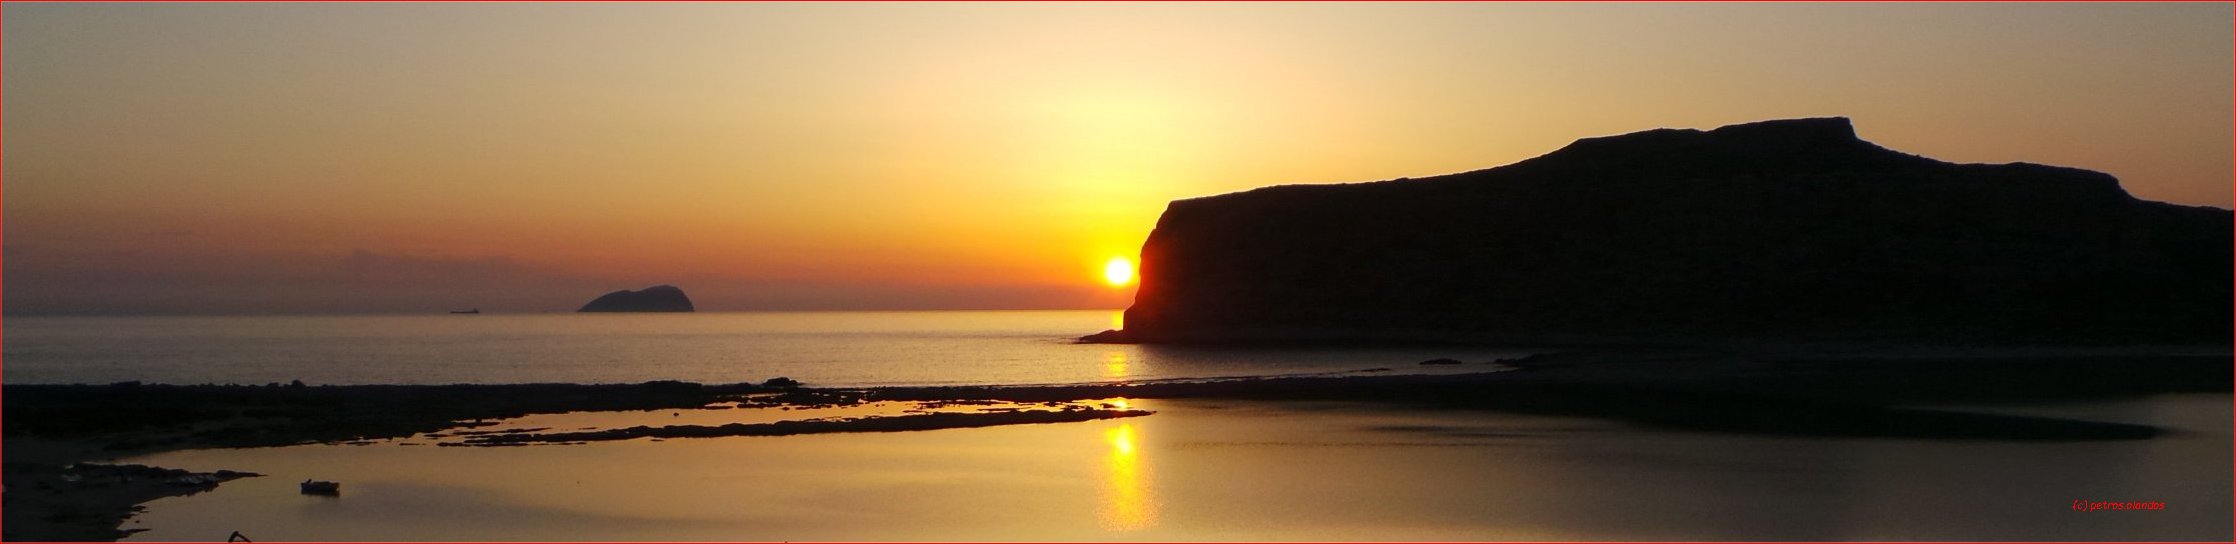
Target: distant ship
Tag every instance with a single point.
(319, 487)
(472, 311)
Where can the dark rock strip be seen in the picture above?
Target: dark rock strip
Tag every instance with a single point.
(912, 422)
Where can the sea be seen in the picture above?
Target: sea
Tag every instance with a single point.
(817, 348)
(1216, 470)
(1194, 470)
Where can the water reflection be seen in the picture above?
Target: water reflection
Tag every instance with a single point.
(1114, 364)
(1126, 501)
(1242, 471)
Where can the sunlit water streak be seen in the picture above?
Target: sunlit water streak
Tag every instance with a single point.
(1127, 503)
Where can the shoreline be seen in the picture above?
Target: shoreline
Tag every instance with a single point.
(54, 427)
(92, 501)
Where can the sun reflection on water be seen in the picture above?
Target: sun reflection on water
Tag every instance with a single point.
(1114, 364)
(1126, 504)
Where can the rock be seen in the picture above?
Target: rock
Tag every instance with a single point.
(781, 381)
(658, 298)
(1437, 362)
(1782, 230)
(1108, 336)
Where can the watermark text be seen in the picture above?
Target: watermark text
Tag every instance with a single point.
(2081, 505)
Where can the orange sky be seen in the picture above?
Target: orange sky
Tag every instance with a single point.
(260, 158)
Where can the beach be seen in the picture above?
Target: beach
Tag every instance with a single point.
(1369, 456)
(1231, 470)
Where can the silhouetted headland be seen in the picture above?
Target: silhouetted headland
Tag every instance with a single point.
(657, 298)
(1777, 230)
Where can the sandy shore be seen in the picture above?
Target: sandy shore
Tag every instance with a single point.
(90, 502)
(50, 428)
(53, 430)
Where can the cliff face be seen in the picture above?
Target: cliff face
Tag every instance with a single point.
(658, 298)
(1778, 229)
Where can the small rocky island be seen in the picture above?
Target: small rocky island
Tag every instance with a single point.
(1776, 230)
(658, 298)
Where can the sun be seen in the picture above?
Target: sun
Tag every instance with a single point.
(1118, 272)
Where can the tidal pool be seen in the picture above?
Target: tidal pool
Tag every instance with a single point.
(1234, 470)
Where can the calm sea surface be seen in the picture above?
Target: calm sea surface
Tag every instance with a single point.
(1195, 470)
(1221, 470)
(822, 348)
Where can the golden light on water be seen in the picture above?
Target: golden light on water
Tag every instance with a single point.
(1118, 272)
(1127, 504)
(1122, 439)
(1114, 364)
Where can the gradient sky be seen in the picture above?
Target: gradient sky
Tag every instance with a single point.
(281, 158)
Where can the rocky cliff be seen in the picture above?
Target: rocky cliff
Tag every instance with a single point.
(1792, 229)
(658, 298)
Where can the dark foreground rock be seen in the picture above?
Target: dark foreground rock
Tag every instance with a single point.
(912, 422)
(52, 429)
(658, 298)
(1779, 230)
(89, 502)
(1788, 395)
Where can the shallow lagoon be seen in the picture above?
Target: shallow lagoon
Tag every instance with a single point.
(1228, 470)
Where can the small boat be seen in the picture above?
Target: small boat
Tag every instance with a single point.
(318, 487)
(472, 311)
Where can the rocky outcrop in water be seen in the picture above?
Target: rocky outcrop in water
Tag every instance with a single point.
(1792, 229)
(658, 298)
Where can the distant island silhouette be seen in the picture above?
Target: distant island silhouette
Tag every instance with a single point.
(657, 298)
(1786, 230)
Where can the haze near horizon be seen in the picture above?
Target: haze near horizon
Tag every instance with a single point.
(346, 158)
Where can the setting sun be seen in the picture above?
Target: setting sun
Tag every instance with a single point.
(850, 250)
(1119, 272)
